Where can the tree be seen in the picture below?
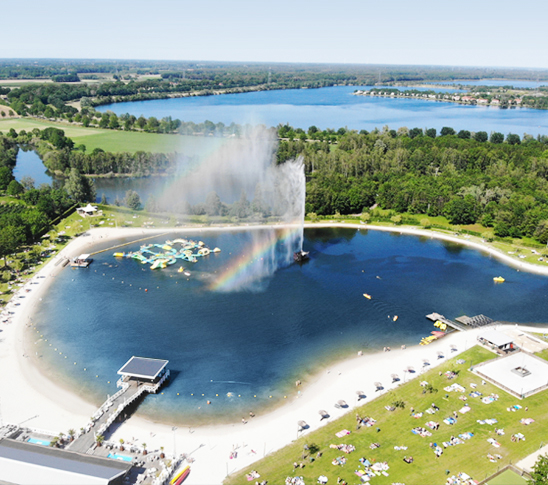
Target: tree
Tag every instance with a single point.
(513, 139)
(104, 199)
(213, 204)
(10, 239)
(461, 210)
(6, 177)
(464, 134)
(431, 132)
(79, 188)
(414, 132)
(539, 474)
(132, 200)
(480, 136)
(15, 188)
(446, 130)
(27, 182)
(496, 137)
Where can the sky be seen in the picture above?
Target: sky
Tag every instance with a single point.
(498, 33)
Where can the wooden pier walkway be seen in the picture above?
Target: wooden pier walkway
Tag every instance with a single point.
(450, 323)
(112, 408)
(464, 322)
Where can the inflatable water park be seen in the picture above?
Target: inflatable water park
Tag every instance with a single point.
(159, 256)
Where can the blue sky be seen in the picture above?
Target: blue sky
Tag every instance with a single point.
(440, 32)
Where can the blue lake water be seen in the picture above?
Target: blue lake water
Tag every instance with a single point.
(29, 164)
(255, 344)
(336, 107)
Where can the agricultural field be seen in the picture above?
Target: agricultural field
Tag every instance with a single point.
(474, 455)
(117, 141)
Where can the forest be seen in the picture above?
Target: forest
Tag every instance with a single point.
(468, 177)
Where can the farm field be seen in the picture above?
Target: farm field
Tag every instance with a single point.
(114, 140)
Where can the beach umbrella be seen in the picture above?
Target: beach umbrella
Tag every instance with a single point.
(323, 413)
(440, 355)
(342, 403)
(395, 377)
(425, 361)
(410, 368)
(302, 424)
(453, 347)
(378, 385)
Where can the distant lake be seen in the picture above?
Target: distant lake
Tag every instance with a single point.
(336, 107)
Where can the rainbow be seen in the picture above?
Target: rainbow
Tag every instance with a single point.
(237, 273)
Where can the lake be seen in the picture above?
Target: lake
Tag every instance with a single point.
(238, 348)
(336, 107)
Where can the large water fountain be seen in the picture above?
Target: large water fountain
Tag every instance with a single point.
(232, 171)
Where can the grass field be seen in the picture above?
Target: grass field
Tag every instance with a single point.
(508, 477)
(395, 430)
(120, 141)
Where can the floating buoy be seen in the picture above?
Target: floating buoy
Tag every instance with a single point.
(146, 290)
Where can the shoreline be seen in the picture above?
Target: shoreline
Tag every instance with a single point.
(29, 396)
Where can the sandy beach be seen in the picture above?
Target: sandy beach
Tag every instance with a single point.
(31, 398)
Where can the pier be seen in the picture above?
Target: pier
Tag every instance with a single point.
(462, 323)
(139, 376)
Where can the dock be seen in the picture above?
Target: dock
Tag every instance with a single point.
(462, 323)
(139, 376)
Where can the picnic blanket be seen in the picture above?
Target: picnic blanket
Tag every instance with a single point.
(527, 421)
(454, 387)
(475, 394)
(464, 409)
(488, 399)
(466, 436)
(342, 433)
(431, 424)
(450, 421)
(494, 442)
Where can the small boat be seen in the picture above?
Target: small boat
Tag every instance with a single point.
(300, 256)
(180, 477)
(395, 317)
(498, 279)
(119, 255)
(180, 270)
(367, 296)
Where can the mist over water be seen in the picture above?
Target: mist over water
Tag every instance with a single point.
(239, 170)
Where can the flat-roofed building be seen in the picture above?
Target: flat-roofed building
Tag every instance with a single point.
(24, 463)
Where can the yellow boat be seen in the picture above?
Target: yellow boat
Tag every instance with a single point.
(367, 296)
(119, 255)
(395, 317)
(498, 279)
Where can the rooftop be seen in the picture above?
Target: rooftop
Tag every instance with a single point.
(507, 373)
(496, 337)
(143, 367)
(45, 465)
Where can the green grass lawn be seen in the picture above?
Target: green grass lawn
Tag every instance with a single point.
(508, 477)
(120, 141)
(395, 430)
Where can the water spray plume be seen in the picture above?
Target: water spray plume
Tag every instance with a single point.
(242, 166)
